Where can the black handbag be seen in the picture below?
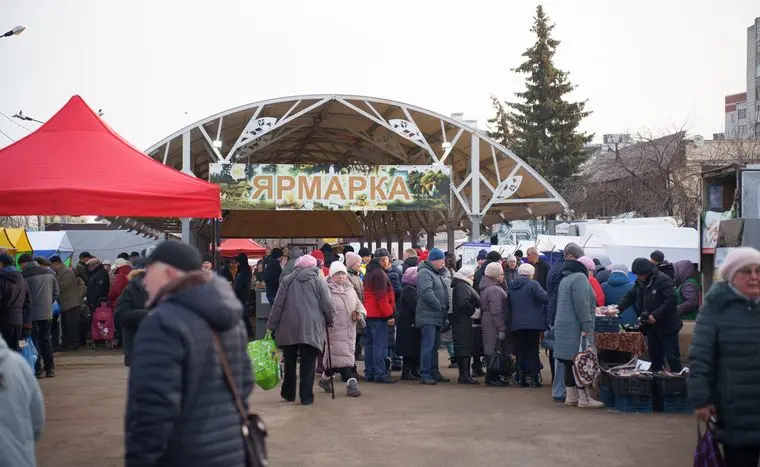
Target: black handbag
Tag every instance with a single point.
(251, 427)
(498, 363)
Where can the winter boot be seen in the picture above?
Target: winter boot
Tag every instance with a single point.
(453, 363)
(438, 377)
(352, 388)
(464, 374)
(477, 367)
(572, 396)
(535, 381)
(408, 375)
(523, 378)
(493, 380)
(325, 383)
(585, 401)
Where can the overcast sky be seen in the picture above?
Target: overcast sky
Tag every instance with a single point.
(156, 66)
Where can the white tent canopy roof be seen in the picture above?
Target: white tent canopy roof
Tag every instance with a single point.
(50, 241)
(623, 243)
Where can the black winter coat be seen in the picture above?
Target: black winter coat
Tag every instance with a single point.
(394, 276)
(243, 281)
(466, 301)
(272, 272)
(724, 364)
(668, 269)
(552, 288)
(542, 273)
(656, 296)
(179, 409)
(129, 312)
(411, 262)
(15, 300)
(98, 286)
(407, 335)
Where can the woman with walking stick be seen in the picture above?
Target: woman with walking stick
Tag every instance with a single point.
(341, 335)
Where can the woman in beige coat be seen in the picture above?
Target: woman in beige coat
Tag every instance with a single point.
(347, 311)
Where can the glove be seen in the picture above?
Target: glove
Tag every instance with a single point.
(446, 328)
(502, 336)
(475, 315)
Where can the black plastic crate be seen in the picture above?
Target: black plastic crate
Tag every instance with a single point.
(671, 386)
(607, 324)
(626, 386)
(675, 404)
(606, 395)
(634, 403)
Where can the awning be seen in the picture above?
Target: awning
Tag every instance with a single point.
(75, 164)
(19, 240)
(232, 247)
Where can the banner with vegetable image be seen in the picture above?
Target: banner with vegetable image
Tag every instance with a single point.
(332, 187)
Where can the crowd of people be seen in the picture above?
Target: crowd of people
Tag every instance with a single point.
(191, 341)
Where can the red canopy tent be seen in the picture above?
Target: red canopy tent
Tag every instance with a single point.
(232, 247)
(74, 164)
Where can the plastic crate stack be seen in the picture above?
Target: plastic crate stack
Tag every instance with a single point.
(633, 394)
(606, 393)
(607, 324)
(672, 395)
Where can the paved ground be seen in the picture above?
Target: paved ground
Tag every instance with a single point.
(403, 424)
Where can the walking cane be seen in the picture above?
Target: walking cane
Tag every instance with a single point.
(329, 360)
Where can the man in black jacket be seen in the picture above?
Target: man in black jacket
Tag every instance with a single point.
(242, 288)
(130, 310)
(15, 303)
(180, 411)
(541, 266)
(272, 272)
(658, 259)
(654, 297)
(98, 283)
(491, 257)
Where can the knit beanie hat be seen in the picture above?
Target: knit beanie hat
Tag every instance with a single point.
(306, 261)
(493, 256)
(318, 254)
(588, 262)
(658, 256)
(642, 266)
(526, 269)
(337, 267)
(619, 268)
(482, 255)
(466, 271)
(410, 276)
(494, 270)
(573, 249)
(435, 255)
(511, 258)
(737, 259)
(352, 259)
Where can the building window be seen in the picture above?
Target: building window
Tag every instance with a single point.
(742, 114)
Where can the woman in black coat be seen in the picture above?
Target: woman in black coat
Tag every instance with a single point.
(466, 303)
(408, 337)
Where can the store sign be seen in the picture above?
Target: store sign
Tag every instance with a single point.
(332, 187)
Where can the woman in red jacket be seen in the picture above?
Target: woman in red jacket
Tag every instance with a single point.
(121, 269)
(598, 292)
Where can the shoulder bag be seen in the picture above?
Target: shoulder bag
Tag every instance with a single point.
(585, 365)
(251, 427)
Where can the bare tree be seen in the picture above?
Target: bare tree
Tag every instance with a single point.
(655, 176)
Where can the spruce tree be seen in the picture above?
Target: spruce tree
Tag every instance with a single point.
(542, 129)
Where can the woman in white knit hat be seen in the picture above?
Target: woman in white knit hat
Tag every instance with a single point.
(494, 311)
(527, 301)
(348, 311)
(724, 380)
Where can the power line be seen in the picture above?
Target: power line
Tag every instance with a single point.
(15, 122)
(6, 135)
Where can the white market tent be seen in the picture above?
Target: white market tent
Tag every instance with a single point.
(49, 244)
(623, 243)
(107, 244)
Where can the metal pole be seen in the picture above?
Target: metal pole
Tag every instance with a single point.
(476, 215)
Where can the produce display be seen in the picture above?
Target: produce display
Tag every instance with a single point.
(609, 310)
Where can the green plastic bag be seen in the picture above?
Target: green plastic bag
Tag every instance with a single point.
(265, 361)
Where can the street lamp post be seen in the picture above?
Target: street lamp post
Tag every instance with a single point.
(14, 32)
